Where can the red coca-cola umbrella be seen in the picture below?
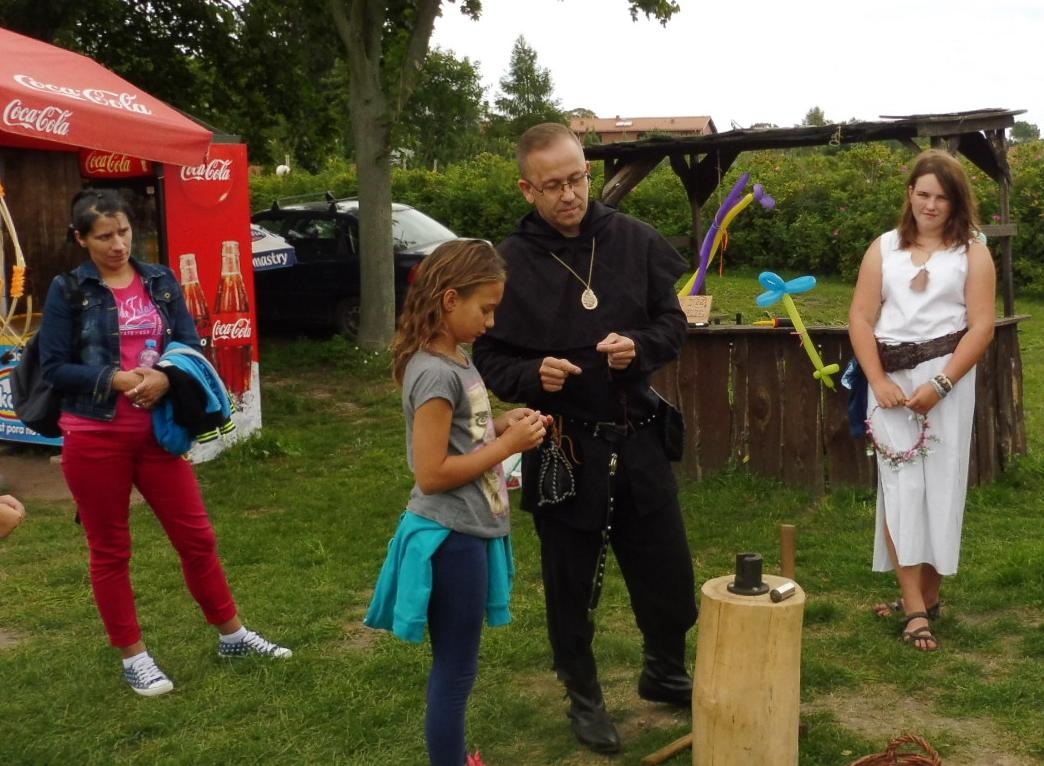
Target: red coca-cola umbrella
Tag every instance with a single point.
(52, 98)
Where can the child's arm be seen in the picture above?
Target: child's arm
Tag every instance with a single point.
(438, 471)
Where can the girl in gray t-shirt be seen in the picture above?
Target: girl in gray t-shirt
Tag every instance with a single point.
(456, 525)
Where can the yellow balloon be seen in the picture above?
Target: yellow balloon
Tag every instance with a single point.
(821, 373)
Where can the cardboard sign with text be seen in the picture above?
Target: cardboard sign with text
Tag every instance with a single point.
(697, 308)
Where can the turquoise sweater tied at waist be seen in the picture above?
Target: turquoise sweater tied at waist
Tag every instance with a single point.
(400, 598)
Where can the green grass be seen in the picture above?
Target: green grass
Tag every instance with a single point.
(303, 513)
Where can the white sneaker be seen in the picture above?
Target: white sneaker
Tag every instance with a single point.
(252, 644)
(145, 678)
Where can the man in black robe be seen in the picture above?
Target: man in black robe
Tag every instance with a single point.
(589, 311)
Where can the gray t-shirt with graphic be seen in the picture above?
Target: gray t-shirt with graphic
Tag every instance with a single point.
(480, 507)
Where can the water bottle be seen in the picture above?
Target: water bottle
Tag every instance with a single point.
(149, 355)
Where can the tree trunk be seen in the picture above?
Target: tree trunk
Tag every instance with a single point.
(361, 26)
(376, 261)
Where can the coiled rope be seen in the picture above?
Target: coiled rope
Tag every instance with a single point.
(892, 757)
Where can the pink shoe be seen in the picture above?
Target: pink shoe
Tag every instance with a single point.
(476, 759)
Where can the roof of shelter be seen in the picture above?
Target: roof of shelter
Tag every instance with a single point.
(602, 125)
(748, 139)
(701, 160)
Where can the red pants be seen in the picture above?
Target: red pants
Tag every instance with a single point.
(100, 467)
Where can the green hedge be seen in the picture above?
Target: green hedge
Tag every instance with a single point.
(831, 203)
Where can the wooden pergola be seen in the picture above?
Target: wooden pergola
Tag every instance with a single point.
(746, 392)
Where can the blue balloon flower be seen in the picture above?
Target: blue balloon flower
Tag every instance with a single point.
(776, 288)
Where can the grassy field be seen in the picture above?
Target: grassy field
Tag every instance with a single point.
(303, 514)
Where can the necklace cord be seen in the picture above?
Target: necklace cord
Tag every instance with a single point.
(590, 268)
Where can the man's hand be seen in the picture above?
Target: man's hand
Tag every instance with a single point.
(553, 373)
(620, 349)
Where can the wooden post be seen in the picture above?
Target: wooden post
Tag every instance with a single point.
(746, 701)
(787, 535)
(1007, 268)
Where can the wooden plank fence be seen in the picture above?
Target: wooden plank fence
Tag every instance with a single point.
(750, 401)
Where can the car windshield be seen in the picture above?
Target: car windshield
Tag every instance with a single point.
(412, 230)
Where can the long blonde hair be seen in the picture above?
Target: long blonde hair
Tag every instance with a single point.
(461, 265)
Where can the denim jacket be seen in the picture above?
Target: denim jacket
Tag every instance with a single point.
(84, 375)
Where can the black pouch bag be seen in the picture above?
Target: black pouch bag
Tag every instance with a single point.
(556, 473)
(672, 427)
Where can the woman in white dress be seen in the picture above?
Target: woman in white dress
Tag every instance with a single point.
(922, 315)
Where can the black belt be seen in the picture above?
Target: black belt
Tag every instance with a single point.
(610, 430)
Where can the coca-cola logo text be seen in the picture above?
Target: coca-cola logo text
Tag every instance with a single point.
(240, 329)
(111, 99)
(49, 119)
(109, 164)
(215, 170)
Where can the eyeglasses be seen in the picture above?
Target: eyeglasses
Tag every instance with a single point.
(557, 188)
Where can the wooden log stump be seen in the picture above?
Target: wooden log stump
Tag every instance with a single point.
(746, 701)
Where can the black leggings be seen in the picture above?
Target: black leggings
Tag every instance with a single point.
(455, 614)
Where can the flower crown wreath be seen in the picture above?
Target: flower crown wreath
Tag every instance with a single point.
(896, 460)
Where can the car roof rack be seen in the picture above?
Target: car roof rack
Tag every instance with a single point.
(326, 196)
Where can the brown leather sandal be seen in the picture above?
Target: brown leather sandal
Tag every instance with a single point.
(919, 634)
(885, 611)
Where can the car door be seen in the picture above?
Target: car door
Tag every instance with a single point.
(310, 286)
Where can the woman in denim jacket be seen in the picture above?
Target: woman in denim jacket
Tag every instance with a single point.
(109, 446)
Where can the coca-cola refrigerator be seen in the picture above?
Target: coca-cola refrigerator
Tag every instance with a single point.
(206, 223)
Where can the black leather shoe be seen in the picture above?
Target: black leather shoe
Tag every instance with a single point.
(664, 678)
(590, 721)
(675, 689)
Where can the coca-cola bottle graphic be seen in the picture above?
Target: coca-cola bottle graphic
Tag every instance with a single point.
(232, 331)
(197, 302)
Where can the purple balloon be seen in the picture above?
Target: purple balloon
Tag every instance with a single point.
(733, 198)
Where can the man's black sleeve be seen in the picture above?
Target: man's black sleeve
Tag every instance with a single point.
(507, 372)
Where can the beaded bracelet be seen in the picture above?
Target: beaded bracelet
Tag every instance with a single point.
(944, 381)
(895, 459)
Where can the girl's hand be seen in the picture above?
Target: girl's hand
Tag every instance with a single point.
(154, 386)
(888, 394)
(923, 399)
(525, 432)
(502, 423)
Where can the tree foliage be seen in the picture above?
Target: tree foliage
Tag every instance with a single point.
(1023, 132)
(526, 92)
(814, 116)
(442, 121)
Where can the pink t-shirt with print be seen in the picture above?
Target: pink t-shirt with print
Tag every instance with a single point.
(139, 321)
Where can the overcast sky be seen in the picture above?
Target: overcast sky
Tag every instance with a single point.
(748, 61)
